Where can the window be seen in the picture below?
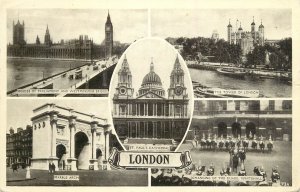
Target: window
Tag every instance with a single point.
(271, 105)
(237, 105)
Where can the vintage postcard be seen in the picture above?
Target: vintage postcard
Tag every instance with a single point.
(155, 95)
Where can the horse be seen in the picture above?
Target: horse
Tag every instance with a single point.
(242, 156)
(208, 143)
(246, 144)
(270, 146)
(254, 145)
(203, 143)
(214, 144)
(221, 144)
(262, 146)
(227, 144)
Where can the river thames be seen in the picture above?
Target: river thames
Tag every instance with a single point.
(267, 87)
(24, 71)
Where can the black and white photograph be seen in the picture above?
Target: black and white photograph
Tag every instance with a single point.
(63, 143)
(152, 96)
(232, 53)
(50, 50)
(236, 138)
(138, 95)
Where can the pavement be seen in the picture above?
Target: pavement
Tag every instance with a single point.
(86, 178)
(281, 156)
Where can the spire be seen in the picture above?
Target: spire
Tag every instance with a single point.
(229, 25)
(47, 30)
(240, 28)
(177, 64)
(261, 25)
(253, 21)
(108, 18)
(151, 65)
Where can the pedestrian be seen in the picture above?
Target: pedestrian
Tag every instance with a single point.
(50, 168)
(28, 172)
(53, 167)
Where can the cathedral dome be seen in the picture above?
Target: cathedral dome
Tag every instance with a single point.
(151, 78)
(152, 82)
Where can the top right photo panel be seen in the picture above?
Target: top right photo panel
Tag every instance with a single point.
(231, 53)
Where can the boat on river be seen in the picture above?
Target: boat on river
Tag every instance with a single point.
(232, 72)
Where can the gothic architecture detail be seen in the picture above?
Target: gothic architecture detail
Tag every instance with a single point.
(81, 48)
(151, 117)
(108, 37)
(246, 39)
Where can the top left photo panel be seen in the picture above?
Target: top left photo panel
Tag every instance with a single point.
(68, 52)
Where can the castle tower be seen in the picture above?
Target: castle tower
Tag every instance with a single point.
(108, 37)
(261, 31)
(240, 31)
(47, 40)
(19, 33)
(253, 30)
(124, 88)
(177, 88)
(229, 31)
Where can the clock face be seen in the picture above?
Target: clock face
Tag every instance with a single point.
(122, 90)
(178, 90)
(107, 28)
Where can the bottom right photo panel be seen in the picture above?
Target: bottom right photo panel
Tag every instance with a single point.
(235, 143)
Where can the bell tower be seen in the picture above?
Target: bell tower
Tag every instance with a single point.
(124, 88)
(108, 37)
(177, 88)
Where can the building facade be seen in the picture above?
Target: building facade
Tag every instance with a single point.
(152, 117)
(81, 48)
(243, 118)
(72, 140)
(19, 146)
(246, 39)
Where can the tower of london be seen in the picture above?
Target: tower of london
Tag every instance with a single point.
(246, 39)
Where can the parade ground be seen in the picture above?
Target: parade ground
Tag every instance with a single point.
(86, 178)
(281, 156)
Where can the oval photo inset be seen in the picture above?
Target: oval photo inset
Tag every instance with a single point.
(151, 97)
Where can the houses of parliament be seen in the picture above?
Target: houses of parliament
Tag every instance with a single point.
(246, 39)
(81, 48)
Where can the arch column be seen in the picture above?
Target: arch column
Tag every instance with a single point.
(72, 159)
(94, 160)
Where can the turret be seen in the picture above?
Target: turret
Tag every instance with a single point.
(229, 31)
(261, 30)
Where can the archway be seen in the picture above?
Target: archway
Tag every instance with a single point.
(250, 128)
(82, 152)
(61, 155)
(222, 129)
(236, 129)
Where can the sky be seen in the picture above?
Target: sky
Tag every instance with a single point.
(128, 25)
(20, 111)
(139, 56)
(202, 22)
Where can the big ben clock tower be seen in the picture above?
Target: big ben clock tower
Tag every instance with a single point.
(177, 89)
(108, 37)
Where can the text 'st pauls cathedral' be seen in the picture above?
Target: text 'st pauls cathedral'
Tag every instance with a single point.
(152, 117)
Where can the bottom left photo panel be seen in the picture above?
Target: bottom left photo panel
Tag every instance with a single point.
(63, 142)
